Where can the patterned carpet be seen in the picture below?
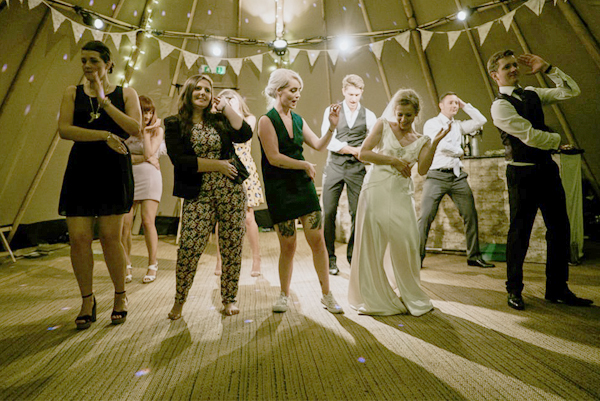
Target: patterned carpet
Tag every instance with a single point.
(471, 347)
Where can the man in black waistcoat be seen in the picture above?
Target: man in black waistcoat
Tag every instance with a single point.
(343, 166)
(532, 176)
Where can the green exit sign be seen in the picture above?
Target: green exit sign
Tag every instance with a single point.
(204, 69)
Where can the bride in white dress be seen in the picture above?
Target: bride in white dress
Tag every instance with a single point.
(386, 246)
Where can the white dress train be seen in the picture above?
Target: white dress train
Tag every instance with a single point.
(386, 244)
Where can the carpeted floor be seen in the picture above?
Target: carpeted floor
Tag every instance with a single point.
(471, 347)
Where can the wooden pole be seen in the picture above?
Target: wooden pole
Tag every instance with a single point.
(327, 75)
(386, 86)
(139, 41)
(581, 30)
(480, 63)
(416, 38)
(183, 46)
(587, 172)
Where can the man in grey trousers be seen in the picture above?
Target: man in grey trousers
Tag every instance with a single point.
(446, 175)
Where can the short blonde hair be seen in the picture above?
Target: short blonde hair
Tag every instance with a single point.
(280, 79)
(354, 80)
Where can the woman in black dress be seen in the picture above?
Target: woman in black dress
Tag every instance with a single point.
(98, 184)
(200, 145)
(288, 178)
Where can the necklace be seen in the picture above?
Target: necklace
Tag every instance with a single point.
(94, 115)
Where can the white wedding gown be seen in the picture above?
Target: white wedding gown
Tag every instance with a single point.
(386, 243)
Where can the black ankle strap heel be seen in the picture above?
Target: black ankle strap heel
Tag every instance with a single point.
(84, 322)
(118, 317)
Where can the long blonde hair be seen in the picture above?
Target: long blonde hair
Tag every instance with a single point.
(279, 79)
(230, 94)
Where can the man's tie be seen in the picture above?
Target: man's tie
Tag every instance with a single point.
(520, 92)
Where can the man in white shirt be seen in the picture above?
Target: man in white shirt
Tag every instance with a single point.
(343, 166)
(532, 176)
(446, 176)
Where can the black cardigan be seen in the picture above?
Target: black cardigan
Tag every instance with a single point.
(185, 161)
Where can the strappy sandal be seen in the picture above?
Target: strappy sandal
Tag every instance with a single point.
(118, 317)
(148, 279)
(84, 322)
(129, 277)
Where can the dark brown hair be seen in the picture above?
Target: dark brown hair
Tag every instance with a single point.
(492, 64)
(102, 49)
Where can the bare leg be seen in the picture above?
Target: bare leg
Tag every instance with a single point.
(149, 209)
(286, 232)
(114, 255)
(127, 240)
(252, 235)
(218, 267)
(313, 230)
(81, 235)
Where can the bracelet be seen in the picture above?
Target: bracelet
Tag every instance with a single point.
(104, 103)
(330, 130)
(547, 70)
(108, 137)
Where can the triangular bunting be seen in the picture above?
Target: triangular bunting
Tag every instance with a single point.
(131, 36)
(116, 38)
(165, 49)
(425, 38)
(78, 30)
(483, 31)
(34, 3)
(452, 37)
(536, 6)
(258, 61)
(212, 62)
(507, 19)
(404, 40)
(190, 58)
(333, 55)
(57, 19)
(313, 55)
(377, 48)
(97, 34)
(236, 64)
(293, 53)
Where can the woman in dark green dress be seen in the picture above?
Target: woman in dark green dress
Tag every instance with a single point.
(288, 178)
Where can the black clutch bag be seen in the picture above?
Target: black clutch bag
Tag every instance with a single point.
(241, 169)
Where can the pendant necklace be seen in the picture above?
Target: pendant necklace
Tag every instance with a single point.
(94, 115)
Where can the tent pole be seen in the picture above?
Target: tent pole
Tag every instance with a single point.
(416, 37)
(384, 80)
(183, 46)
(139, 40)
(587, 172)
(327, 75)
(480, 63)
(581, 30)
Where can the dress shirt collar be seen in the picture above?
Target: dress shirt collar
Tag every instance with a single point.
(445, 120)
(347, 110)
(507, 90)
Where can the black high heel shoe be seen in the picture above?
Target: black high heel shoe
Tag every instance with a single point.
(118, 317)
(84, 322)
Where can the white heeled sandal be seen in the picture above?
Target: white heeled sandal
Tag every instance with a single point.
(129, 277)
(148, 279)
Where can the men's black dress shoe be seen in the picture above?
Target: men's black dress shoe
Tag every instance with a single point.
(516, 302)
(568, 298)
(333, 269)
(480, 263)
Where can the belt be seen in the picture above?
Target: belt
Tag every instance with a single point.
(444, 170)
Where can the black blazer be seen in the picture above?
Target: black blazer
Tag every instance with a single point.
(179, 148)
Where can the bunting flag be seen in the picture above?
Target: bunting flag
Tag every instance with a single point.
(452, 37)
(212, 62)
(131, 36)
(33, 3)
(293, 53)
(116, 38)
(404, 40)
(333, 55)
(258, 61)
(507, 19)
(190, 58)
(78, 31)
(236, 64)
(377, 48)
(313, 55)
(425, 38)
(536, 6)
(483, 31)
(57, 19)
(165, 49)
(97, 34)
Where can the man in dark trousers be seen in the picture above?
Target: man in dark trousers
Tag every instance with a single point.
(343, 166)
(532, 176)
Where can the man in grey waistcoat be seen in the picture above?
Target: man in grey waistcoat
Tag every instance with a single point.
(343, 166)
(446, 175)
